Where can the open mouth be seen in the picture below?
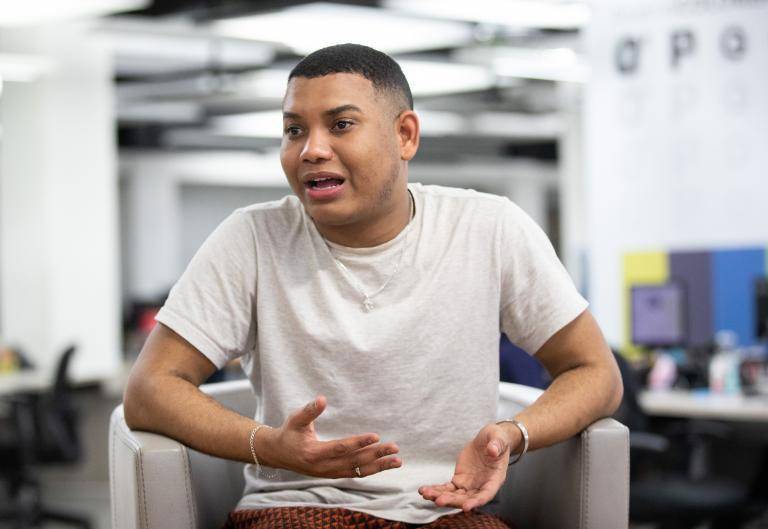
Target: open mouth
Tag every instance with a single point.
(324, 183)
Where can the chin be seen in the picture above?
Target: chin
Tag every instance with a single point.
(329, 214)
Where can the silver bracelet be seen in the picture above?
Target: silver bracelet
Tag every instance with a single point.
(526, 438)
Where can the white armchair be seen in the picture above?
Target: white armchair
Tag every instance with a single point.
(157, 482)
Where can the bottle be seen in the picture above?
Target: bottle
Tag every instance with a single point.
(725, 364)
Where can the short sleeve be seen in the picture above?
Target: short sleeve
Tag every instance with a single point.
(538, 297)
(212, 304)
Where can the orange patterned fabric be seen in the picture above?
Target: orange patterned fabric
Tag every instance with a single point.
(336, 518)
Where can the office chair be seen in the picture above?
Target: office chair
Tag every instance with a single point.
(158, 483)
(673, 491)
(43, 429)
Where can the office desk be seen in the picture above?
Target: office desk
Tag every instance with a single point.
(679, 403)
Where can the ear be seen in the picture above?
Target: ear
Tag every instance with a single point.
(407, 128)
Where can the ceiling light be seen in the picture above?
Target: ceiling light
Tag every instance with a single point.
(542, 14)
(426, 78)
(305, 28)
(561, 64)
(146, 48)
(159, 112)
(267, 124)
(436, 78)
(30, 12)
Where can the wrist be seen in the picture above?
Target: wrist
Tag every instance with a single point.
(262, 446)
(512, 436)
(523, 441)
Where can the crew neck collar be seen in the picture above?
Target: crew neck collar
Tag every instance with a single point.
(368, 250)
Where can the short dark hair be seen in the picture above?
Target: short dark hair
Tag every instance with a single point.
(379, 68)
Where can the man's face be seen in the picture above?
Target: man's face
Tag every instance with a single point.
(340, 149)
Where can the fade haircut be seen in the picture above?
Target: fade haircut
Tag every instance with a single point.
(379, 68)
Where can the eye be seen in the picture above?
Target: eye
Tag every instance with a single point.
(292, 131)
(343, 124)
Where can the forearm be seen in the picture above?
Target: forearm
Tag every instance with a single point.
(575, 399)
(175, 407)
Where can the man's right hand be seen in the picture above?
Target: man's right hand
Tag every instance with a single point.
(294, 446)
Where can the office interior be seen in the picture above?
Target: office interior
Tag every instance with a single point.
(632, 132)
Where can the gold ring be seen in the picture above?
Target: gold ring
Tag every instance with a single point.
(357, 471)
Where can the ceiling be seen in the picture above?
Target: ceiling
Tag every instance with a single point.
(211, 74)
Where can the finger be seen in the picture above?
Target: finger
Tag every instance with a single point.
(343, 448)
(380, 465)
(369, 454)
(477, 500)
(451, 499)
(495, 448)
(437, 488)
(431, 492)
(366, 458)
(306, 415)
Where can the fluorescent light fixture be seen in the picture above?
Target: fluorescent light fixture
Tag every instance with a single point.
(553, 64)
(435, 78)
(425, 78)
(306, 28)
(516, 125)
(142, 47)
(148, 54)
(31, 12)
(440, 123)
(542, 14)
(561, 64)
(160, 112)
(267, 84)
(267, 124)
(16, 67)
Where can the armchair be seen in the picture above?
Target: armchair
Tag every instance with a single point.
(159, 483)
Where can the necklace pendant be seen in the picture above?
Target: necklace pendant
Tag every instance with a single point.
(367, 304)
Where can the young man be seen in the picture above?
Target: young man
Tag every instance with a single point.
(367, 313)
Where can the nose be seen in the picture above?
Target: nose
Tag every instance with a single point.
(317, 148)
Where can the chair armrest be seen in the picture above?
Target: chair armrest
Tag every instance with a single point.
(151, 476)
(582, 482)
(149, 479)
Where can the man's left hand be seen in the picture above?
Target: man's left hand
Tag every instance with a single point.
(480, 470)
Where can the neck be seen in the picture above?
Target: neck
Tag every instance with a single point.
(372, 232)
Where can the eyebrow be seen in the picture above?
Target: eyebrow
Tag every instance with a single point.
(330, 112)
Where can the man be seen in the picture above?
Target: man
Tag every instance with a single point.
(367, 314)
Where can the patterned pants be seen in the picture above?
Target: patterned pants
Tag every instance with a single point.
(336, 518)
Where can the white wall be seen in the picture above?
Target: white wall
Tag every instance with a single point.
(58, 228)
(159, 229)
(675, 147)
(172, 201)
(204, 206)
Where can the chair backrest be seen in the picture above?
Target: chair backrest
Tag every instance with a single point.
(630, 413)
(57, 439)
(61, 377)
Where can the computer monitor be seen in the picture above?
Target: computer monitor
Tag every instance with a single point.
(659, 315)
(761, 308)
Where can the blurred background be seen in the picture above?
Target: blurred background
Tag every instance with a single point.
(633, 132)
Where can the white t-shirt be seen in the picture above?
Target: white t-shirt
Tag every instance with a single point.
(420, 369)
